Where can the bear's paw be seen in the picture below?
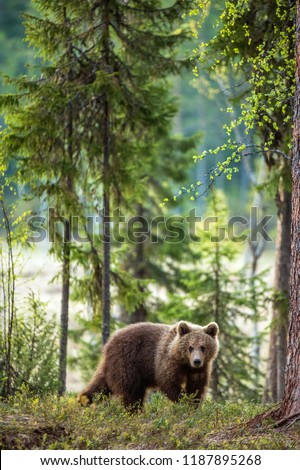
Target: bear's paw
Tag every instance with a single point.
(84, 400)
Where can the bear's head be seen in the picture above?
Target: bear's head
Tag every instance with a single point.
(195, 344)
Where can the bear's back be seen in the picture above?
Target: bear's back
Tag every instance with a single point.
(133, 349)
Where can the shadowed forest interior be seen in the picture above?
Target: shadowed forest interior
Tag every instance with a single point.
(149, 173)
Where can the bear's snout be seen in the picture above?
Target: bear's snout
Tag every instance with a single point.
(197, 363)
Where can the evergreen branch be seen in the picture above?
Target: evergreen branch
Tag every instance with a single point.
(166, 64)
(163, 39)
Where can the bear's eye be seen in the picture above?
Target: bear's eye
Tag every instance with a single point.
(202, 348)
(191, 349)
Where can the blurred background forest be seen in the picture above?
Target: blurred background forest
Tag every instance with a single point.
(53, 306)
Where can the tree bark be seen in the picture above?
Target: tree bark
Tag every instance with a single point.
(256, 248)
(274, 387)
(290, 405)
(282, 285)
(8, 286)
(215, 381)
(270, 390)
(66, 248)
(64, 318)
(106, 189)
(140, 313)
(215, 371)
(106, 255)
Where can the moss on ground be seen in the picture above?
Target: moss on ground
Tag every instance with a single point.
(31, 422)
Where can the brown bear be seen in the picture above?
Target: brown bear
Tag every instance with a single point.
(174, 359)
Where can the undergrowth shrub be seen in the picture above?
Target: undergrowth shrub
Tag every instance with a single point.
(34, 349)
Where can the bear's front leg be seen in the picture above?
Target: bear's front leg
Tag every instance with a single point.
(172, 390)
(196, 385)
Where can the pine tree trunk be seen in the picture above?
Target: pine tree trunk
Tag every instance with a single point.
(140, 313)
(256, 250)
(106, 255)
(106, 189)
(274, 387)
(215, 381)
(291, 402)
(256, 342)
(64, 318)
(270, 390)
(8, 287)
(215, 372)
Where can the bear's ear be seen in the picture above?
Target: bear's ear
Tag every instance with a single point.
(183, 328)
(211, 329)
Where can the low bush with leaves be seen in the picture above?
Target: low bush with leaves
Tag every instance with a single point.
(34, 349)
(28, 337)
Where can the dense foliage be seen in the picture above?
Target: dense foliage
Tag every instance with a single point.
(252, 55)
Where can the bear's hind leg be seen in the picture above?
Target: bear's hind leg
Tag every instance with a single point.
(96, 385)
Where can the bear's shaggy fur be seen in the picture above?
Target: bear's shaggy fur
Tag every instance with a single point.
(174, 359)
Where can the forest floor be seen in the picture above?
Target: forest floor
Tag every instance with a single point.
(31, 422)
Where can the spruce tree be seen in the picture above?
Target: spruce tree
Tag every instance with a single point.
(135, 46)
